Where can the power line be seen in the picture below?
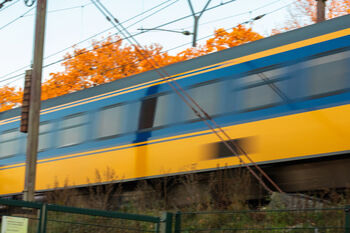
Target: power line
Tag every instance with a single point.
(51, 55)
(250, 20)
(138, 15)
(12, 77)
(16, 19)
(239, 14)
(162, 25)
(136, 34)
(65, 9)
(19, 76)
(189, 100)
(2, 4)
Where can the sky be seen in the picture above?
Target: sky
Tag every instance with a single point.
(71, 21)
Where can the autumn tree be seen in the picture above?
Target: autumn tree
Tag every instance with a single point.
(111, 59)
(9, 98)
(303, 13)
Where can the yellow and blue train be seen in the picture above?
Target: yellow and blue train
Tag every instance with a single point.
(285, 98)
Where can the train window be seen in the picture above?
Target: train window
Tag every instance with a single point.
(73, 130)
(262, 96)
(207, 97)
(327, 75)
(44, 136)
(9, 143)
(164, 110)
(111, 121)
(261, 76)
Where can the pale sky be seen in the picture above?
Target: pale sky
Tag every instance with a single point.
(82, 20)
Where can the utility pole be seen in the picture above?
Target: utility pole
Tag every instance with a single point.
(321, 10)
(35, 102)
(196, 20)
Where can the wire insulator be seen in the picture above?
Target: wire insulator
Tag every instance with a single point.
(29, 3)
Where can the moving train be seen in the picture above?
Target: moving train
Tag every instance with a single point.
(284, 99)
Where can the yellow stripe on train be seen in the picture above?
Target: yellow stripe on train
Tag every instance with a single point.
(286, 137)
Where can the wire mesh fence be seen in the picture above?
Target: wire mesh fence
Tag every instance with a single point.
(321, 220)
(44, 218)
(60, 220)
(29, 211)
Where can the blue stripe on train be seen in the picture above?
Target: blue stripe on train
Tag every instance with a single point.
(225, 73)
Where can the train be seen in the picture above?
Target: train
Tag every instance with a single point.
(284, 99)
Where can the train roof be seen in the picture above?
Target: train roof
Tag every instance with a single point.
(304, 33)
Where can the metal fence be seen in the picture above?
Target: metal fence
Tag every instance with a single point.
(47, 218)
(320, 220)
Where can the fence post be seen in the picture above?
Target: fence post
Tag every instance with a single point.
(347, 219)
(42, 219)
(177, 222)
(166, 222)
(157, 227)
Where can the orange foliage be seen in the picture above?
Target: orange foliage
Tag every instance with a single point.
(304, 13)
(223, 39)
(9, 98)
(110, 60)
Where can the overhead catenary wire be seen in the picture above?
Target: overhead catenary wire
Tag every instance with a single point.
(99, 47)
(250, 20)
(189, 101)
(7, 6)
(242, 13)
(14, 20)
(142, 13)
(136, 34)
(65, 9)
(91, 37)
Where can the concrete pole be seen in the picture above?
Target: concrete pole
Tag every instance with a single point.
(35, 101)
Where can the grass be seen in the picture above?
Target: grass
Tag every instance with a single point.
(219, 200)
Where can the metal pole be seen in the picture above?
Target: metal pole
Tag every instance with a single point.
(347, 219)
(195, 30)
(177, 222)
(196, 19)
(35, 99)
(321, 10)
(166, 222)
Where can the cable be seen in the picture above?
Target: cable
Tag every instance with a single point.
(16, 19)
(188, 16)
(246, 12)
(239, 14)
(207, 36)
(123, 22)
(176, 47)
(65, 9)
(60, 60)
(162, 25)
(12, 78)
(1, 5)
(20, 76)
(188, 100)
